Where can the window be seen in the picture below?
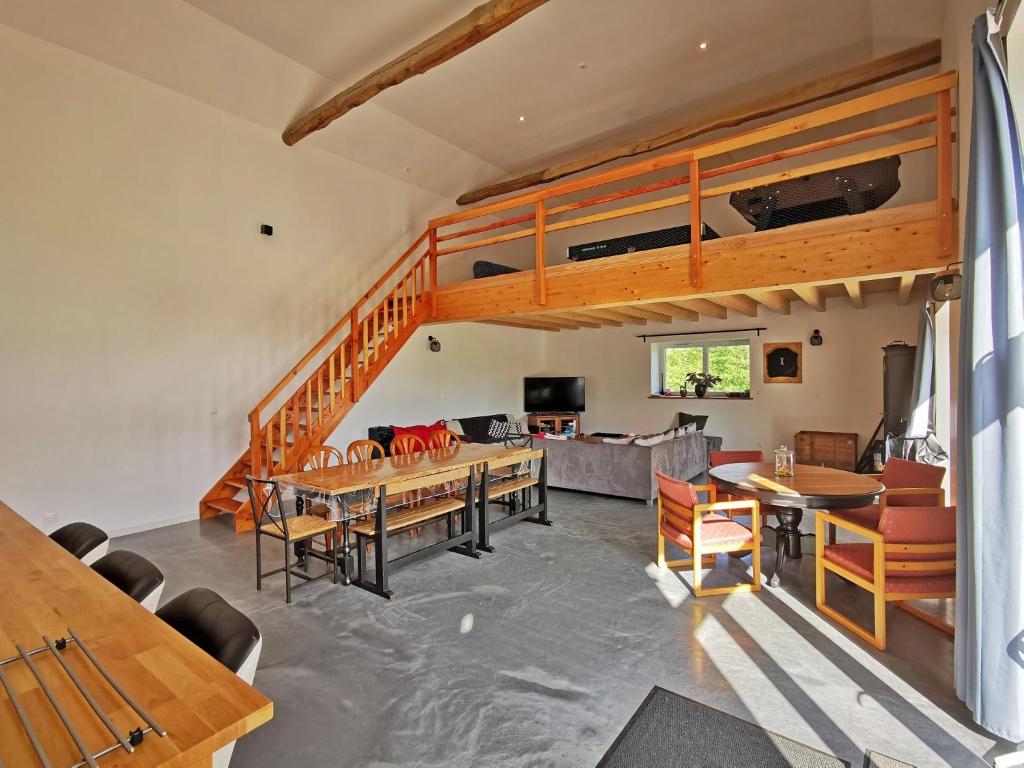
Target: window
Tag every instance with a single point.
(729, 359)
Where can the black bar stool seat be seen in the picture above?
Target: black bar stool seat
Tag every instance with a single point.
(83, 540)
(132, 574)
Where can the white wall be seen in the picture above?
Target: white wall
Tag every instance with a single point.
(478, 371)
(141, 313)
(842, 379)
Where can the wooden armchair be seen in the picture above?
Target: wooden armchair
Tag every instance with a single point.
(702, 532)
(907, 484)
(911, 556)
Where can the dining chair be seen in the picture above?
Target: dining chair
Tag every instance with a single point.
(907, 484)
(443, 438)
(271, 520)
(911, 555)
(407, 444)
(321, 457)
(228, 635)
(699, 530)
(359, 451)
(718, 458)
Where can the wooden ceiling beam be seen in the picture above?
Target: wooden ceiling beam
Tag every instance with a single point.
(571, 317)
(648, 314)
(739, 302)
(812, 295)
(680, 313)
(553, 320)
(704, 307)
(615, 314)
(590, 321)
(519, 324)
(853, 290)
(774, 300)
(837, 83)
(475, 27)
(905, 289)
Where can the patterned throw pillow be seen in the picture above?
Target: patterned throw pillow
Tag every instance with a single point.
(498, 429)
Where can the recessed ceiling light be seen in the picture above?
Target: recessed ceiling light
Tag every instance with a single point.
(522, 118)
(703, 45)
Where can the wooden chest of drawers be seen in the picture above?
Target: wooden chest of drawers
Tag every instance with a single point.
(827, 449)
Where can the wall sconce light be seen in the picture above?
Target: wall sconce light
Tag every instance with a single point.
(434, 344)
(816, 339)
(947, 285)
(266, 229)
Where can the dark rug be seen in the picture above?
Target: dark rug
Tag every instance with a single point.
(671, 731)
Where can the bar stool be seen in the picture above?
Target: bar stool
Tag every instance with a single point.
(220, 629)
(86, 542)
(134, 575)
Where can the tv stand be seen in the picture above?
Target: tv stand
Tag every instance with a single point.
(554, 422)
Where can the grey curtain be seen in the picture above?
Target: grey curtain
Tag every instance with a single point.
(990, 420)
(922, 417)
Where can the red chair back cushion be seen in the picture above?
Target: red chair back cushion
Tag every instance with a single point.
(678, 491)
(900, 473)
(718, 458)
(919, 525)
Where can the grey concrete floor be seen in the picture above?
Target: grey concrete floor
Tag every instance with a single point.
(538, 654)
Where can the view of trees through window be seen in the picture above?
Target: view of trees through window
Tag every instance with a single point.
(731, 361)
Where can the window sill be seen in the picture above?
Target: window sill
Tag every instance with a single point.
(706, 397)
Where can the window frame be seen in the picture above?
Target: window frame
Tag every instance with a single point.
(705, 346)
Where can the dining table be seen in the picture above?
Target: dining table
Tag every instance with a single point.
(356, 491)
(88, 677)
(808, 488)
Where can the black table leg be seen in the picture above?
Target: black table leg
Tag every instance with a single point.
(787, 540)
(300, 546)
(542, 489)
(484, 543)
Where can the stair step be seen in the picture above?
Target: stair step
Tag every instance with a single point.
(237, 482)
(225, 504)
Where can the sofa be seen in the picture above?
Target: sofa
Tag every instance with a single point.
(626, 470)
(472, 429)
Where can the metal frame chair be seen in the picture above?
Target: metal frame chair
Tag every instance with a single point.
(296, 530)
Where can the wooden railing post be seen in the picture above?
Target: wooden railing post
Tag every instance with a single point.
(357, 388)
(541, 281)
(256, 469)
(695, 223)
(432, 251)
(944, 177)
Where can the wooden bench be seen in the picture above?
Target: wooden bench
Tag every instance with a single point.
(412, 516)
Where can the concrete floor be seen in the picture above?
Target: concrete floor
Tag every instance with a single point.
(538, 654)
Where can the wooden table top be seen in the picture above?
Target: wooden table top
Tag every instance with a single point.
(333, 481)
(810, 487)
(43, 591)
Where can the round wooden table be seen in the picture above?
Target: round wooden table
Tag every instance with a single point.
(809, 488)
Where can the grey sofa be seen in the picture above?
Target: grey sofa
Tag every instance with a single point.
(625, 470)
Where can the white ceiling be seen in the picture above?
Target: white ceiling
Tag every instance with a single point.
(644, 70)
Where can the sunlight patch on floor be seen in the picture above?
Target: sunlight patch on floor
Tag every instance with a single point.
(669, 584)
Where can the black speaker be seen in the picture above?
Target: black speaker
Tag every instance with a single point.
(897, 386)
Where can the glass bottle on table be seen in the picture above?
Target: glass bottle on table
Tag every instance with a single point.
(785, 462)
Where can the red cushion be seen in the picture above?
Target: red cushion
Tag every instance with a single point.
(421, 431)
(679, 491)
(857, 559)
(715, 530)
(918, 525)
(718, 458)
(867, 516)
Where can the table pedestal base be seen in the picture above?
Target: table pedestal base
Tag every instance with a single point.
(787, 540)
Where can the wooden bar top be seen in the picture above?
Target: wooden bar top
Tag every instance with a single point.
(333, 481)
(43, 591)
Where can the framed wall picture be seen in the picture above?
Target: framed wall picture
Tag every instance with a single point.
(783, 363)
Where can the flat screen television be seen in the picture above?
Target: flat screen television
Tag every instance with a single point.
(554, 394)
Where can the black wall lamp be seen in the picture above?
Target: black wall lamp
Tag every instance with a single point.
(816, 338)
(433, 344)
(947, 285)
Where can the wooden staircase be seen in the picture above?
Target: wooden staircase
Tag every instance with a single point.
(352, 354)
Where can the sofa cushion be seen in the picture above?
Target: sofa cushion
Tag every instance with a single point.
(690, 418)
(422, 431)
(475, 427)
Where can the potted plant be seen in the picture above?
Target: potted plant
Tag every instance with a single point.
(702, 382)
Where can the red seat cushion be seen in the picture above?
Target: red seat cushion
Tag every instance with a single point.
(715, 530)
(718, 458)
(857, 559)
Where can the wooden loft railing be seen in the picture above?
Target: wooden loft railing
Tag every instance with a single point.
(347, 359)
(335, 372)
(698, 167)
